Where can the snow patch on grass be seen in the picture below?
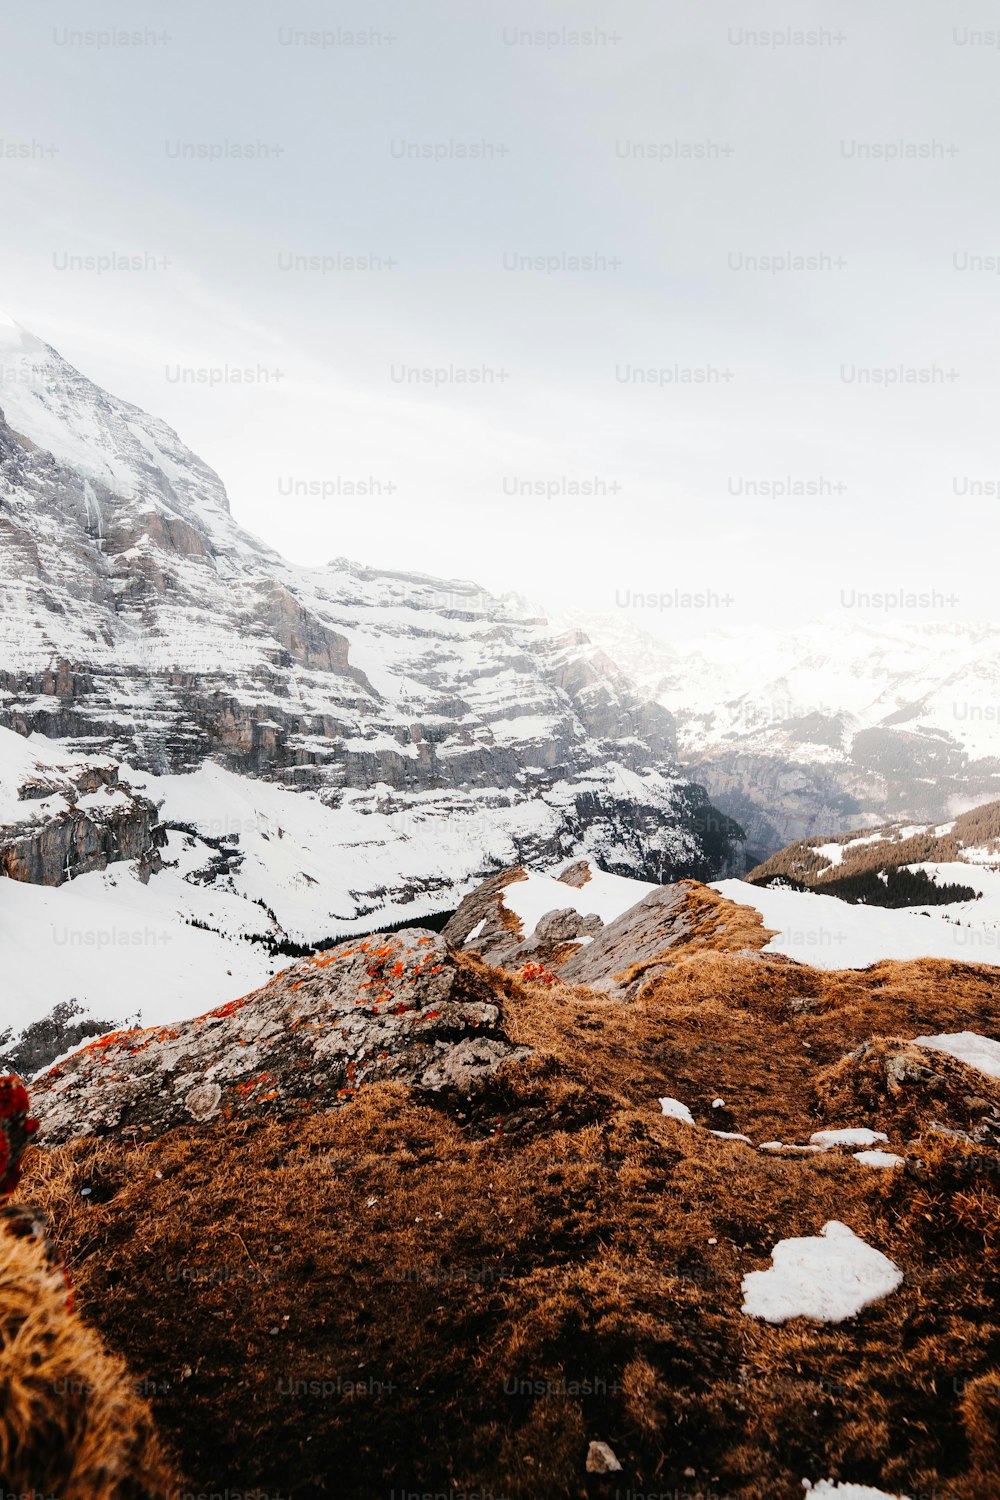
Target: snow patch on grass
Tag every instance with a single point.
(675, 1110)
(827, 1139)
(969, 1047)
(826, 1277)
(825, 1489)
(878, 1158)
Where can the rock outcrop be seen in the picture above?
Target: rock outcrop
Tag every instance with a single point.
(62, 815)
(572, 941)
(487, 922)
(635, 948)
(900, 1083)
(639, 934)
(397, 1007)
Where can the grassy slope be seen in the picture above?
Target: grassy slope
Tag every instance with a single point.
(506, 1280)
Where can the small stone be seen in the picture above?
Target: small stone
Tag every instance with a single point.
(601, 1460)
(202, 1102)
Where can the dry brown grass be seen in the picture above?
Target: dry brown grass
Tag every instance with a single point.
(72, 1422)
(554, 1261)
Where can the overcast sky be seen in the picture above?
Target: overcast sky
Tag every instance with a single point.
(677, 144)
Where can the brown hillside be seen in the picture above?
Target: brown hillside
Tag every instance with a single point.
(884, 849)
(424, 1292)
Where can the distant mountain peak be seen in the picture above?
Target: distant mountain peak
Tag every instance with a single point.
(818, 728)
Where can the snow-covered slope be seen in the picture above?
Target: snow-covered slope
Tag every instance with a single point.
(847, 720)
(833, 934)
(321, 870)
(122, 949)
(39, 780)
(905, 891)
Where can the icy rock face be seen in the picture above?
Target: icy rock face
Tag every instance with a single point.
(79, 842)
(388, 1008)
(138, 619)
(62, 815)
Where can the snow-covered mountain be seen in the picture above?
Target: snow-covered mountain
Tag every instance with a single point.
(441, 732)
(845, 722)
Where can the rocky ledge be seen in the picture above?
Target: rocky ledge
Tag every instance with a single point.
(400, 1007)
(570, 940)
(62, 815)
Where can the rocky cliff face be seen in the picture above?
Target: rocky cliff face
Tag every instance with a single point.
(62, 815)
(139, 621)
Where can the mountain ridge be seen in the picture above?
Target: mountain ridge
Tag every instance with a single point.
(441, 731)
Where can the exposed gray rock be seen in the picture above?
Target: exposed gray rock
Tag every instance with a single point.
(485, 924)
(55, 839)
(389, 1007)
(643, 935)
(203, 1101)
(498, 935)
(562, 926)
(908, 1067)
